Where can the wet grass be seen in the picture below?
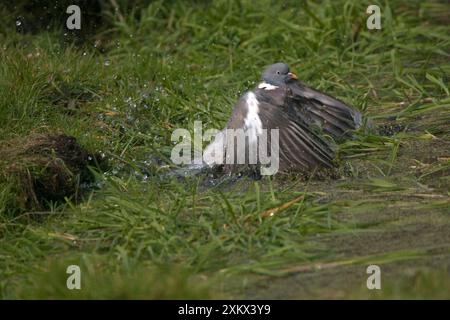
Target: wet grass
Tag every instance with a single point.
(140, 234)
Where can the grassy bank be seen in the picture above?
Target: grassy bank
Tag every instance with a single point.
(136, 233)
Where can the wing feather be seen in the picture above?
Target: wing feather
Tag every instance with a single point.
(300, 147)
(335, 117)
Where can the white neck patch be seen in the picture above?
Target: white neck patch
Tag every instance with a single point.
(252, 121)
(266, 86)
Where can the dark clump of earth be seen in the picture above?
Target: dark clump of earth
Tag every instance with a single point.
(45, 169)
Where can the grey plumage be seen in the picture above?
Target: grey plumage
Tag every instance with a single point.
(301, 114)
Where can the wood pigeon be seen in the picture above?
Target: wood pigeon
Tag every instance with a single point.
(302, 115)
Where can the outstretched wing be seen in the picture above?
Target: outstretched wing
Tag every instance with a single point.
(332, 115)
(299, 146)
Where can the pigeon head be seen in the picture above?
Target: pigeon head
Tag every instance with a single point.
(278, 74)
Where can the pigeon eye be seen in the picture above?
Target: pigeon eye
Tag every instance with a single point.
(278, 72)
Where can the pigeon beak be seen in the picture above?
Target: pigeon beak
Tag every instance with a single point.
(292, 75)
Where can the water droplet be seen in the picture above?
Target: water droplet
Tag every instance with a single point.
(107, 62)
